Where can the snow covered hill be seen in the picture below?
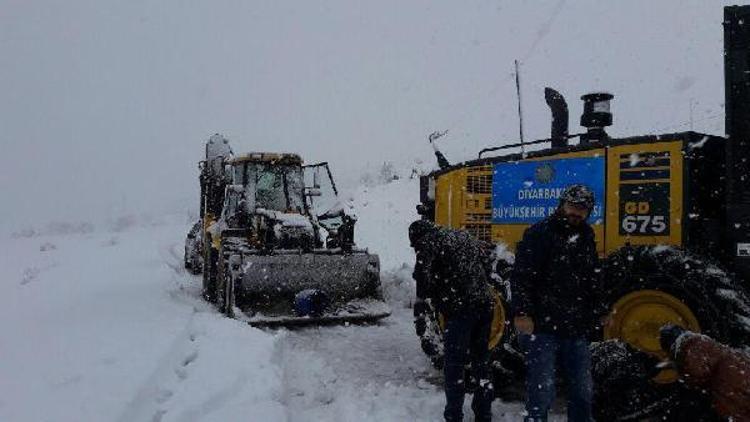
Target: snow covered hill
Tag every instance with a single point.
(107, 326)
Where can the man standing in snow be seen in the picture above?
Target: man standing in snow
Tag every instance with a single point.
(554, 287)
(451, 272)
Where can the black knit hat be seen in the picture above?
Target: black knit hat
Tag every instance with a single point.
(579, 195)
(418, 229)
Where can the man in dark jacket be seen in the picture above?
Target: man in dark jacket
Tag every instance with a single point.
(553, 288)
(451, 272)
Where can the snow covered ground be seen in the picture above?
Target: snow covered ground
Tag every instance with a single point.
(107, 326)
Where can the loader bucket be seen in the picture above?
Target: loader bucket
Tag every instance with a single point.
(357, 311)
(266, 286)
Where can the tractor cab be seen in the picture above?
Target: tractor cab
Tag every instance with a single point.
(280, 202)
(281, 183)
(271, 181)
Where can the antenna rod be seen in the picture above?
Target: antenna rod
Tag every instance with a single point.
(520, 113)
(692, 104)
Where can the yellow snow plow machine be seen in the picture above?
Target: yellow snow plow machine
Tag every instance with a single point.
(278, 246)
(672, 226)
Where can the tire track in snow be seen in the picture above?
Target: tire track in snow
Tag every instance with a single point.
(172, 259)
(370, 372)
(186, 288)
(150, 402)
(214, 369)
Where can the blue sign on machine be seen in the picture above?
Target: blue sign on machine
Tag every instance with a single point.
(527, 192)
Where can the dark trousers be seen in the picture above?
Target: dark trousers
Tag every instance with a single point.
(542, 354)
(466, 338)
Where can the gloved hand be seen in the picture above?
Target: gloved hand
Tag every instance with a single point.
(420, 307)
(420, 321)
(668, 335)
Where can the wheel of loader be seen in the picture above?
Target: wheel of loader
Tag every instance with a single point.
(231, 266)
(623, 390)
(210, 268)
(225, 283)
(221, 282)
(637, 317)
(498, 322)
(648, 287)
(430, 326)
(225, 293)
(193, 265)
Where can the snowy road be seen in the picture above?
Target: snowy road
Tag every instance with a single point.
(107, 326)
(356, 373)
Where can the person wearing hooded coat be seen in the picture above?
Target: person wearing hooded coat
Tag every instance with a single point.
(707, 364)
(451, 272)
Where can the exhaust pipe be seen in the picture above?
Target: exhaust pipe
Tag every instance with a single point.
(559, 108)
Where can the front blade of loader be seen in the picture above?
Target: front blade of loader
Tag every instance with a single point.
(356, 312)
(267, 284)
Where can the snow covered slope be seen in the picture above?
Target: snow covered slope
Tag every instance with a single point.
(106, 326)
(385, 212)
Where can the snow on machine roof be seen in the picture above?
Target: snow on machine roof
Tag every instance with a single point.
(279, 158)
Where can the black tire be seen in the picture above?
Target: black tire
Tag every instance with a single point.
(718, 303)
(624, 391)
(196, 268)
(229, 292)
(427, 325)
(193, 262)
(225, 288)
(193, 265)
(221, 282)
(193, 256)
(187, 262)
(210, 271)
(505, 360)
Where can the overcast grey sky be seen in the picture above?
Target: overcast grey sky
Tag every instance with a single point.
(106, 104)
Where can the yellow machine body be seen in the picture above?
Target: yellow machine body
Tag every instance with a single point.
(463, 197)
